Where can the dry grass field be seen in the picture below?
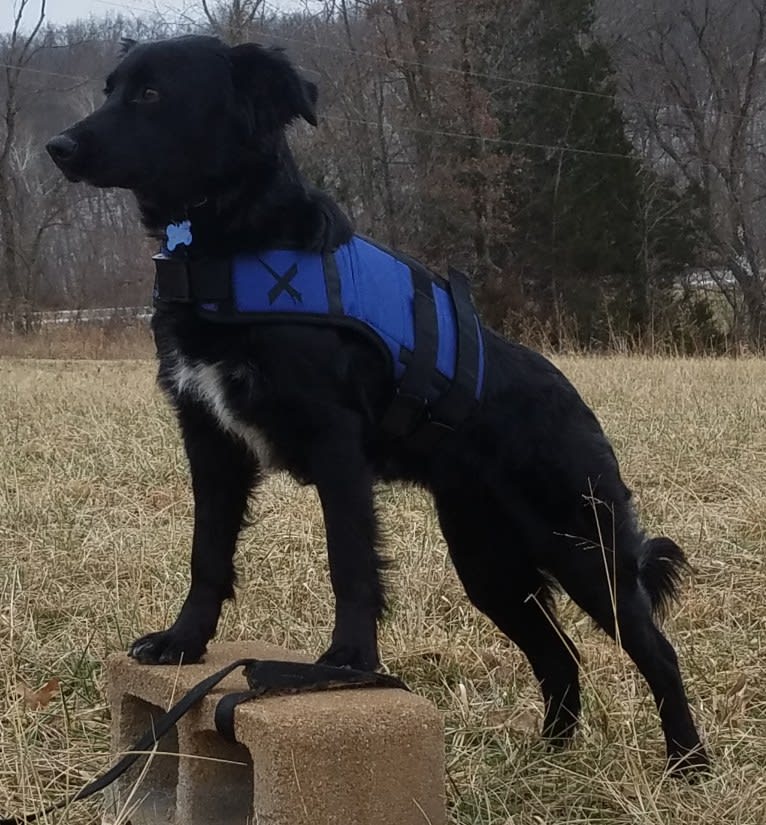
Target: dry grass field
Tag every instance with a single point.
(95, 522)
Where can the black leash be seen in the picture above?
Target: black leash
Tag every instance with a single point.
(265, 677)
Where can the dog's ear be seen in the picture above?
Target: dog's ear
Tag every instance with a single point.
(126, 44)
(272, 87)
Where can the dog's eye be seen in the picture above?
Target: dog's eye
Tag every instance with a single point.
(147, 95)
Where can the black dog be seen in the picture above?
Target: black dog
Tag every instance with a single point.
(528, 490)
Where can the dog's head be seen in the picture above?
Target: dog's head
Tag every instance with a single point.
(181, 114)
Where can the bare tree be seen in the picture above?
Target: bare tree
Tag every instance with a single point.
(696, 76)
(18, 56)
(232, 20)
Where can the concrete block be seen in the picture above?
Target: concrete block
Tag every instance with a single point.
(346, 757)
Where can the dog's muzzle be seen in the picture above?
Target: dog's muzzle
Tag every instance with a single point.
(63, 151)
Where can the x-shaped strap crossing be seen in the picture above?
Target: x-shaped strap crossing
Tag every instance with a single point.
(283, 283)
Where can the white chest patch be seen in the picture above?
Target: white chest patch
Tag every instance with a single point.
(204, 382)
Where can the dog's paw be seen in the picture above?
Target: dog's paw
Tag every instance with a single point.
(561, 719)
(166, 648)
(359, 658)
(558, 736)
(691, 765)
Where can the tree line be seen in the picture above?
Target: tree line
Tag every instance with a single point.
(597, 167)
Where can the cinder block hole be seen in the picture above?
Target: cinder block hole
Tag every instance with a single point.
(154, 799)
(218, 787)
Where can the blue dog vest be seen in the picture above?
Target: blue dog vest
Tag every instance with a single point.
(426, 327)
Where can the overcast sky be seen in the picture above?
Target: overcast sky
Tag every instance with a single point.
(64, 11)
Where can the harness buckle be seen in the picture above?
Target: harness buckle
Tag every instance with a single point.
(410, 418)
(171, 281)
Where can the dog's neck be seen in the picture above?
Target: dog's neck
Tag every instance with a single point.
(270, 206)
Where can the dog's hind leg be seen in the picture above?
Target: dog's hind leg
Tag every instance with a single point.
(610, 587)
(223, 473)
(506, 587)
(344, 482)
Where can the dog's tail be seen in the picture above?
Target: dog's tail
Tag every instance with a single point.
(661, 567)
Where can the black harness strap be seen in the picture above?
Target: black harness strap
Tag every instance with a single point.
(460, 400)
(171, 280)
(179, 280)
(408, 410)
(211, 279)
(265, 678)
(332, 283)
(410, 416)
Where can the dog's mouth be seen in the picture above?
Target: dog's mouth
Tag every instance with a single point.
(77, 176)
(71, 157)
(77, 169)
(71, 176)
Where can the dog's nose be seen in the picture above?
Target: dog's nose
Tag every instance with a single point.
(61, 148)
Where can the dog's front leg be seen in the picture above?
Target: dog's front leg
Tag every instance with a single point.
(344, 482)
(223, 473)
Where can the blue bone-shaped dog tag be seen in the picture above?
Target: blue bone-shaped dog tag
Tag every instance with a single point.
(178, 234)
